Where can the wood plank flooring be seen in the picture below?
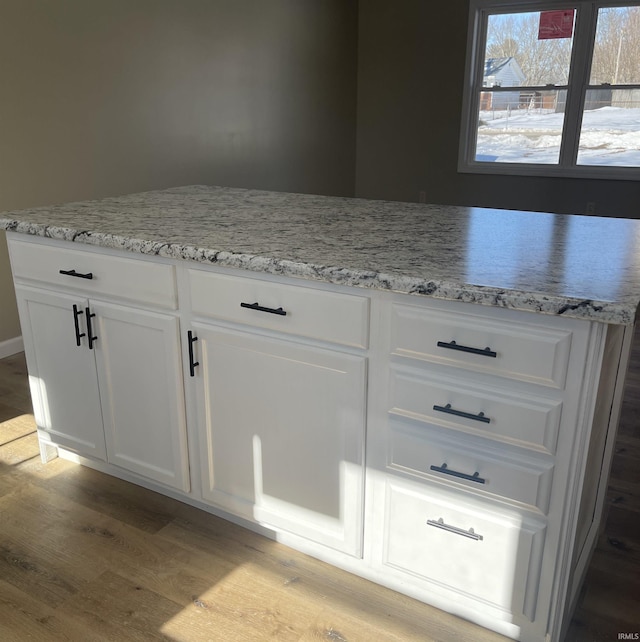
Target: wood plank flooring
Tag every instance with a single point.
(84, 557)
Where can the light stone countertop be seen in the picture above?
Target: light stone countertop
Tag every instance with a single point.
(575, 266)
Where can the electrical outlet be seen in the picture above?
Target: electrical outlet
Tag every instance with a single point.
(590, 208)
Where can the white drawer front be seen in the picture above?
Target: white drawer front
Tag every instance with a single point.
(502, 474)
(317, 314)
(112, 276)
(477, 554)
(525, 420)
(483, 342)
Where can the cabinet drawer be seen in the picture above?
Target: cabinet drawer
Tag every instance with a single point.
(506, 345)
(464, 462)
(489, 557)
(527, 420)
(112, 276)
(318, 314)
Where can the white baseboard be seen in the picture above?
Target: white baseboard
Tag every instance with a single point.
(11, 347)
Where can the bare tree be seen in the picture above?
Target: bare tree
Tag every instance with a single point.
(616, 55)
(543, 62)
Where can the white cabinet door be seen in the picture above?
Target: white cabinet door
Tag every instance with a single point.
(139, 372)
(468, 548)
(62, 374)
(282, 428)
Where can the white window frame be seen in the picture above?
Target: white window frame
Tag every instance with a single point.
(577, 86)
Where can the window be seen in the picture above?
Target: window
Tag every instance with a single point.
(552, 89)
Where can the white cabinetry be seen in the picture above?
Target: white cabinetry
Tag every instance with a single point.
(282, 421)
(487, 555)
(137, 358)
(62, 377)
(105, 374)
(488, 431)
(475, 447)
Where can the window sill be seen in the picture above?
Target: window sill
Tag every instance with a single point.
(551, 171)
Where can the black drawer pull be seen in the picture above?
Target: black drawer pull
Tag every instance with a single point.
(461, 413)
(256, 306)
(90, 336)
(76, 313)
(454, 473)
(192, 364)
(88, 275)
(452, 345)
(471, 534)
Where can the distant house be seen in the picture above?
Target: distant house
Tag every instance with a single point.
(501, 72)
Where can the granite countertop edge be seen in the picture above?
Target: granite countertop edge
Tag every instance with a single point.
(618, 313)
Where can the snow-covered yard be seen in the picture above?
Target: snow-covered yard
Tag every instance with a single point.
(610, 136)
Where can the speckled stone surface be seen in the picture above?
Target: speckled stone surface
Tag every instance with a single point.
(575, 266)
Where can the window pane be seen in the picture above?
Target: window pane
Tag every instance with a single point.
(610, 132)
(616, 54)
(528, 132)
(537, 58)
(524, 50)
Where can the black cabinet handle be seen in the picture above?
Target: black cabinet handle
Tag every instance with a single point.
(256, 306)
(90, 336)
(192, 364)
(460, 413)
(452, 345)
(76, 313)
(454, 473)
(471, 534)
(88, 275)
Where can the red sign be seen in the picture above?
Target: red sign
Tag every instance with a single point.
(556, 24)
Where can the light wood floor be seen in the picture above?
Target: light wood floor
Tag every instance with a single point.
(84, 556)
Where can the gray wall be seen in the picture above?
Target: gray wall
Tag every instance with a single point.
(410, 82)
(101, 98)
(109, 97)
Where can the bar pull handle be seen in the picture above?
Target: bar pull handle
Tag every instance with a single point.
(454, 473)
(76, 313)
(88, 275)
(452, 345)
(261, 308)
(192, 364)
(90, 336)
(460, 413)
(471, 534)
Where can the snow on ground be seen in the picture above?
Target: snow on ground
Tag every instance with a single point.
(610, 136)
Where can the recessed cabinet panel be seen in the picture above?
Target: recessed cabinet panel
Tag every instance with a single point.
(283, 434)
(502, 474)
(62, 375)
(523, 419)
(139, 364)
(314, 313)
(520, 349)
(476, 553)
(114, 276)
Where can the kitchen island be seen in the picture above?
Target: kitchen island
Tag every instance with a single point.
(424, 395)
